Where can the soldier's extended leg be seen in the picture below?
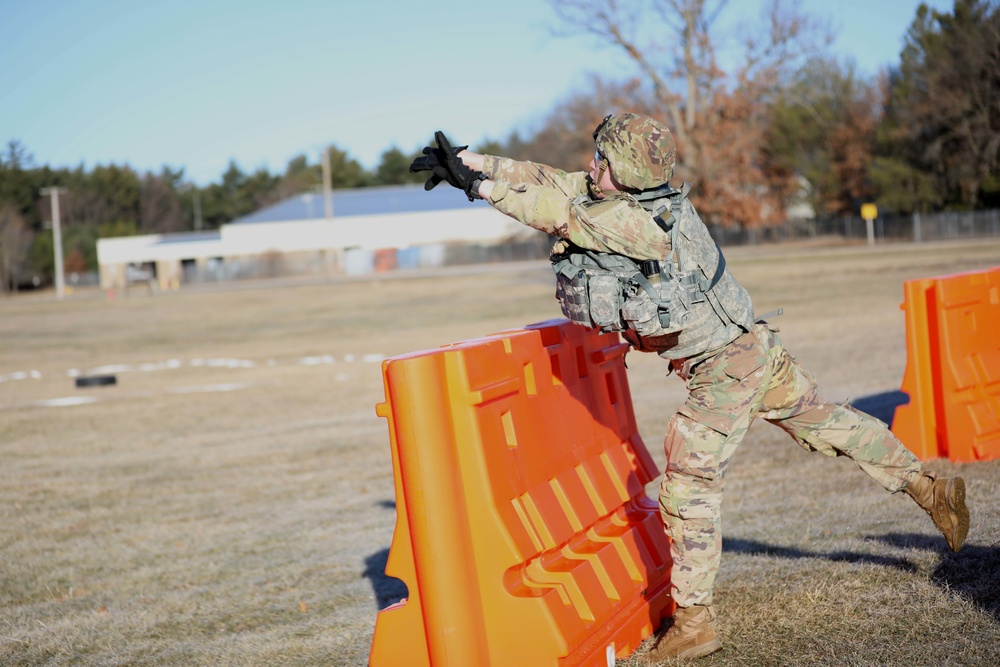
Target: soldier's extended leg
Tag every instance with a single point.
(792, 402)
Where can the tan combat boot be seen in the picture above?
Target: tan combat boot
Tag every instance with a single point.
(944, 500)
(691, 636)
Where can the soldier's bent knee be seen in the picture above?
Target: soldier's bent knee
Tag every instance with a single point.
(694, 451)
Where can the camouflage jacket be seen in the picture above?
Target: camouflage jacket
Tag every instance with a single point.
(557, 202)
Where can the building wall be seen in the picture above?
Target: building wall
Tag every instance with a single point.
(301, 247)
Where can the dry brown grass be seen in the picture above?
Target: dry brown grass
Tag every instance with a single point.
(168, 525)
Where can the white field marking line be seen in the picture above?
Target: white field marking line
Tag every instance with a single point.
(172, 364)
(69, 401)
(224, 363)
(233, 386)
(316, 361)
(21, 375)
(111, 369)
(64, 402)
(348, 358)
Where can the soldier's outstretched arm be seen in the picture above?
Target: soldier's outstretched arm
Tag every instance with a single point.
(498, 168)
(534, 194)
(436, 158)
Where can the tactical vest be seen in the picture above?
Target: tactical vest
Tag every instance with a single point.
(681, 307)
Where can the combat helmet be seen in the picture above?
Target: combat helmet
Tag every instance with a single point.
(639, 149)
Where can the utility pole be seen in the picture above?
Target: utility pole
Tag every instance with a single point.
(331, 254)
(327, 185)
(54, 193)
(197, 209)
(196, 200)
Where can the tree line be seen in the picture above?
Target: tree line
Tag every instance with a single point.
(113, 200)
(785, 122)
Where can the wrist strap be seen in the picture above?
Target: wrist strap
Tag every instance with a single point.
(473, 192)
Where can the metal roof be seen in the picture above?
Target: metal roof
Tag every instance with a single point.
(363, 201)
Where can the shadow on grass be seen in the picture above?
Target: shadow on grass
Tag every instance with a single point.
(882, 406)
(973, 573)
(388, 590)
(755, 548)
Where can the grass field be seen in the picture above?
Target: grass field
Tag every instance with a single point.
(230, 500)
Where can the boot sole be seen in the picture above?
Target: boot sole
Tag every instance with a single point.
(956, 513)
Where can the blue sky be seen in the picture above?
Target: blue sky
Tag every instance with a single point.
(195, 84)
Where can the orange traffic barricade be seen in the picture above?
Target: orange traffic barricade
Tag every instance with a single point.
(523, 532)
(953, 367)
(915, 423)
(968, 321)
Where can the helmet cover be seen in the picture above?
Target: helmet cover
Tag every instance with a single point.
(640, 150)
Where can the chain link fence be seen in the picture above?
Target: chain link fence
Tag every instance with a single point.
(533, 246)
(885, 229)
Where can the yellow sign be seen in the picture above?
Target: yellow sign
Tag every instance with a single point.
(869, 211)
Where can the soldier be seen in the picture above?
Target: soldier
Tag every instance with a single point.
(634, 257)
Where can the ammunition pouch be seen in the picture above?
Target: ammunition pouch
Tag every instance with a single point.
(611, 293)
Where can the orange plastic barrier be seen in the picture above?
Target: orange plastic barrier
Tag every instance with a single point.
(915, 423)
(523, 530)
(969, 329)
(953, 367)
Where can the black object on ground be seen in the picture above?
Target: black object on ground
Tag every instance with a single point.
(96, 381)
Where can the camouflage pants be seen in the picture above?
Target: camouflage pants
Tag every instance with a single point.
(753, 376)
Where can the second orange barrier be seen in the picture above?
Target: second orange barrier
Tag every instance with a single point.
(968, 322)
(953, 367)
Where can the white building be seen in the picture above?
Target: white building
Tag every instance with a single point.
(371, 229)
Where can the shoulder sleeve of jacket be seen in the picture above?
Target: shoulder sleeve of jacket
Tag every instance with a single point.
(620, 225)
(534, 173)
(545, 209)
(615, 225)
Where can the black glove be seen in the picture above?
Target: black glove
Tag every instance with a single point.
(433, 160)
(443, 163)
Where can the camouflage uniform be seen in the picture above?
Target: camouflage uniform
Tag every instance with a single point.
(753, 376)
(735, 370)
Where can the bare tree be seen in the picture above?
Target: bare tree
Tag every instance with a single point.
(717, 116)
(564, 138)
(823, 126)
(15, 243)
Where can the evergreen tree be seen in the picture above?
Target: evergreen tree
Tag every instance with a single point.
(942, 118)
(822, 128)
(394, 168)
